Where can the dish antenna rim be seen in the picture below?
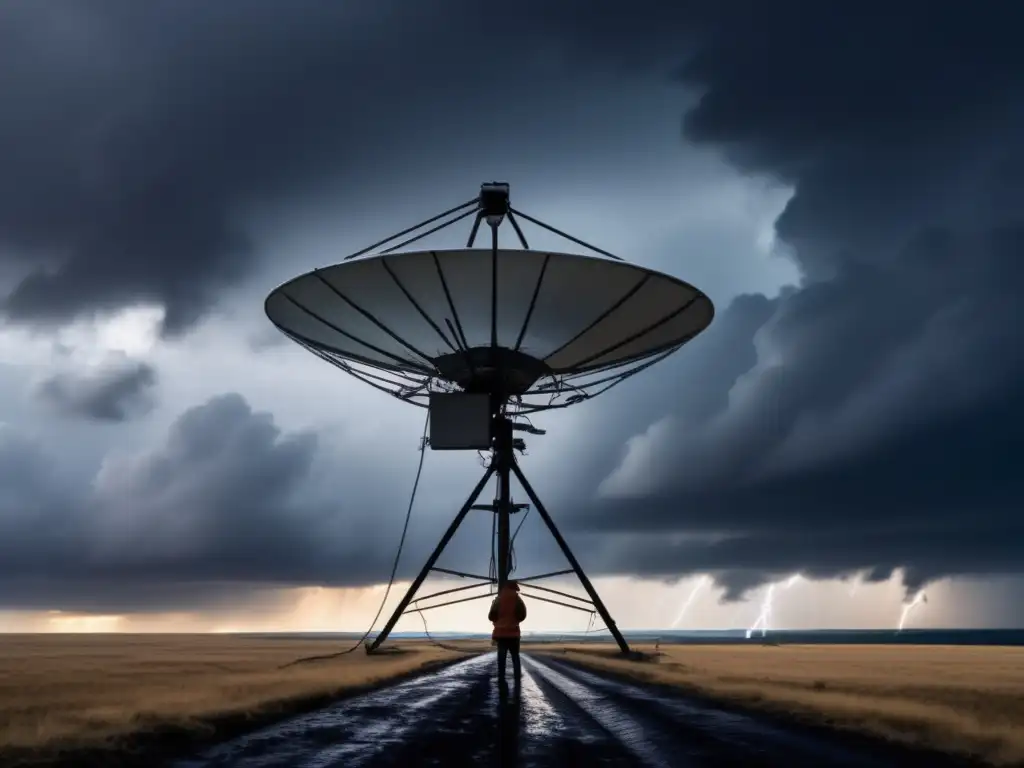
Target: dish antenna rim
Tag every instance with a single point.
(366, 315)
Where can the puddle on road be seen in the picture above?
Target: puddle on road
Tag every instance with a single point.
(543, 720)
(740, 732)
(626, 729)
(350, 733)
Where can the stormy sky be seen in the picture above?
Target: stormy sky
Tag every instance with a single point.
(844, 180)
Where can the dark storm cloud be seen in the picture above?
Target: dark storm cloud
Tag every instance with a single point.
(120, 390)
(224, 504)
(131, 136)
(878, 427)
(866, 419)
(135, 139)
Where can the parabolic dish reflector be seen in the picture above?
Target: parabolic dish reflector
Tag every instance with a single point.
(545, 329)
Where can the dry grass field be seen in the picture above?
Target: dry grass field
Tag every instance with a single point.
(69, 692)
(958, 699)
(111, 694)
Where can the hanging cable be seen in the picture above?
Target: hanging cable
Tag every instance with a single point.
(430, 638)
(394, 566)
(492, 569)
(512, 541)
(592, 629)
(426, 631)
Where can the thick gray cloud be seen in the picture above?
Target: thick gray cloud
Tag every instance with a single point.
(119, 390)
(226, 498)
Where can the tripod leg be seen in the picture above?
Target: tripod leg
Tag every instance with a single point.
(594, 597)
(430, 562)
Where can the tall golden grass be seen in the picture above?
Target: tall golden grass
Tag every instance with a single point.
(61, 692)
(961, 700)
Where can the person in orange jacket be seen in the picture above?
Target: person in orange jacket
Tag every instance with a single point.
(507, 611)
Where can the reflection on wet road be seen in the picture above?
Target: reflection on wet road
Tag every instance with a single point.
(563, 716)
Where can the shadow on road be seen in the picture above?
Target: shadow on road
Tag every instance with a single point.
(509, 721)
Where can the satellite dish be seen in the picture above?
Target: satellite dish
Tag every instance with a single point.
(476, 334)
(564, 326)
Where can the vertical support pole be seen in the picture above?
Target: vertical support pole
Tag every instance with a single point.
(504, 460)
(411, 592)
(594, 597)
(494, 285)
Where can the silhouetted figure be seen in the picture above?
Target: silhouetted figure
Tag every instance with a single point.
(507, 611)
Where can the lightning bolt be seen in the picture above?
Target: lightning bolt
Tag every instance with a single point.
(908, 608)
(689, 600)
(764, 618)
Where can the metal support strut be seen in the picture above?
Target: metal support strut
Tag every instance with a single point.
(504, 460)
(428, 566)
(503, 464)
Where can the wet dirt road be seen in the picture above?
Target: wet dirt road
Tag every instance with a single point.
(563, 716)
